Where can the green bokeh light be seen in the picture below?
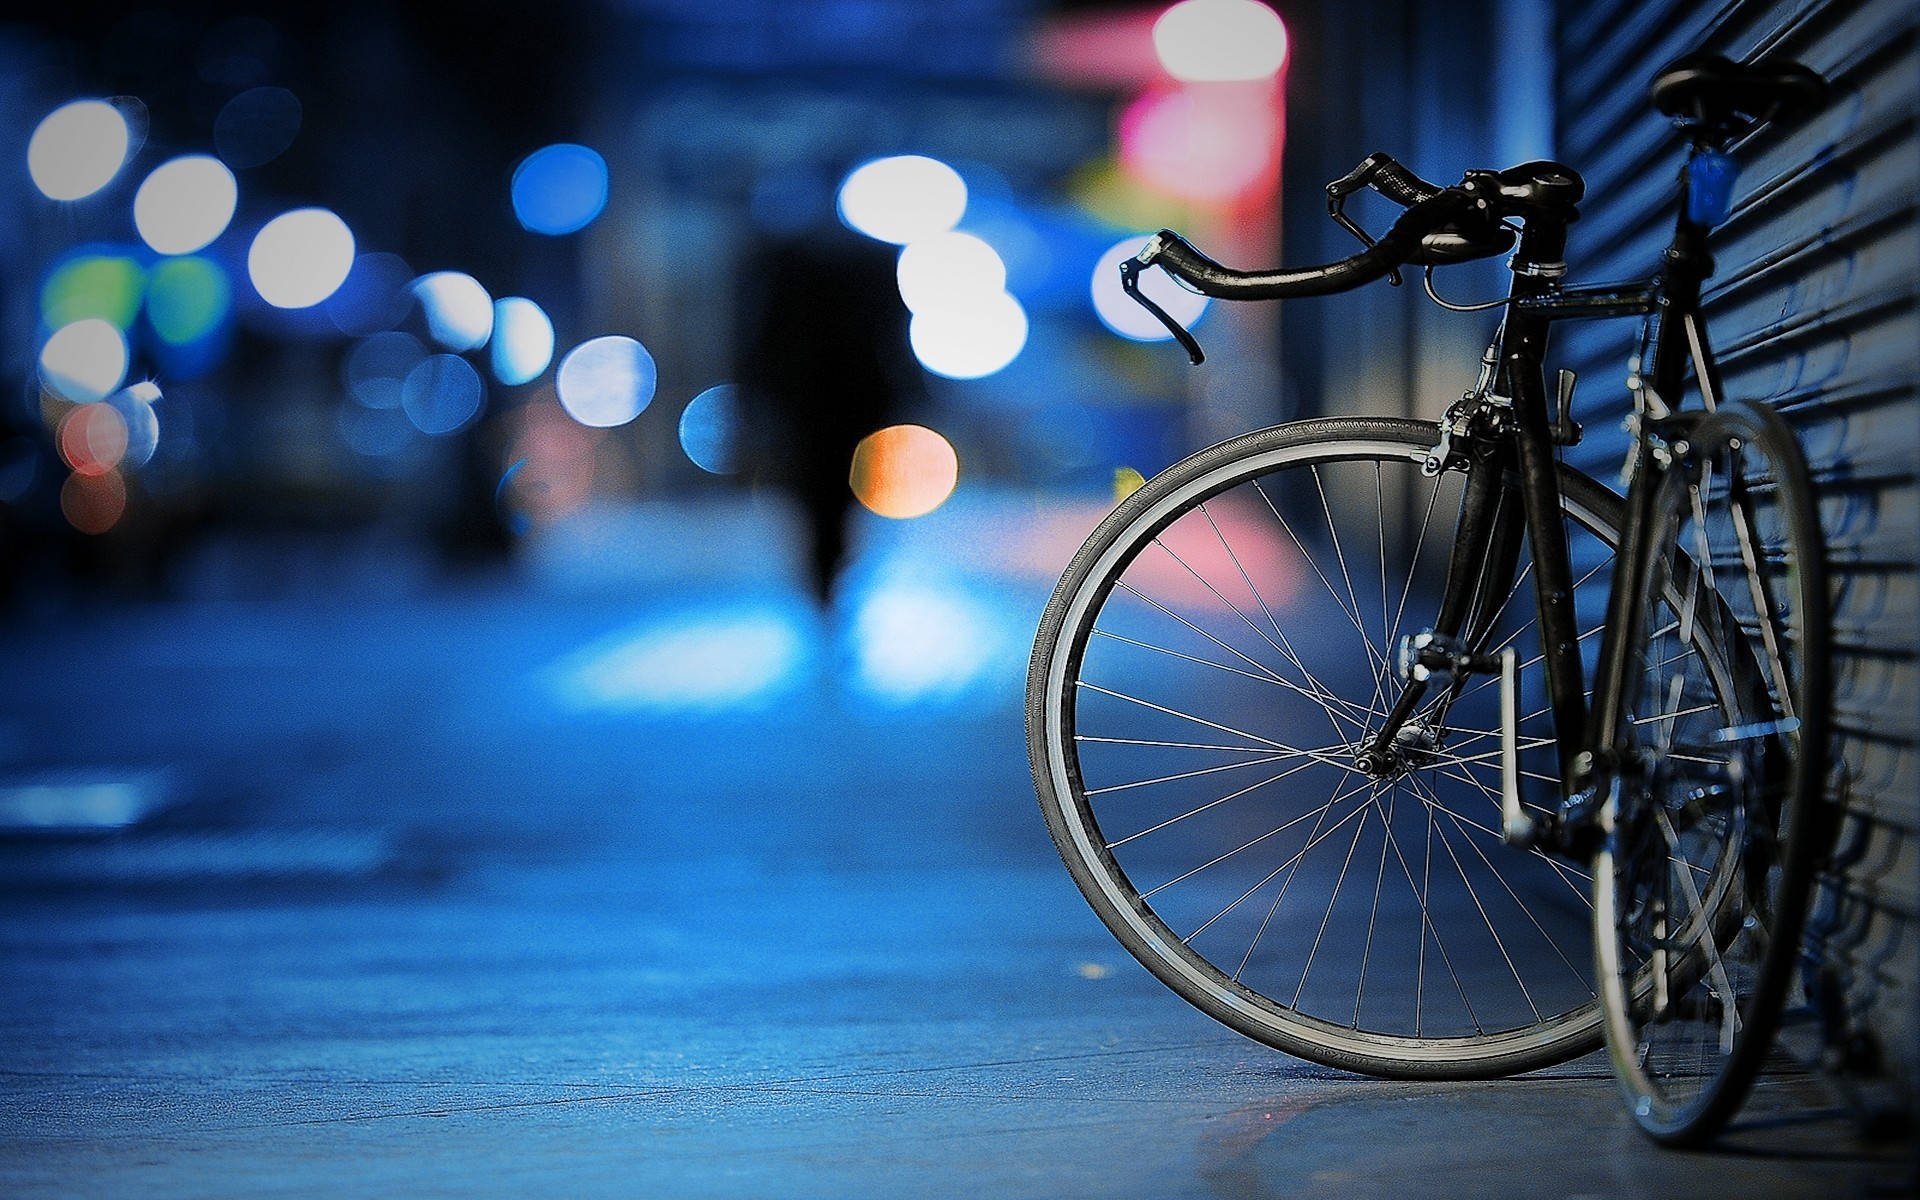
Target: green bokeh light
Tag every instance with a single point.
(107, 286)
(187, 299)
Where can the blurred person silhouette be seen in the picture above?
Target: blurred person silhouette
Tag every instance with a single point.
(823, 357)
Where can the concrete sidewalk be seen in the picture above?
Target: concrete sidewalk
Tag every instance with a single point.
(438, 893)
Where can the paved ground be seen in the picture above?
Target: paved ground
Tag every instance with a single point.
(491, 886)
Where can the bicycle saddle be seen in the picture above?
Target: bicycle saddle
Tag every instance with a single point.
(1714, 91)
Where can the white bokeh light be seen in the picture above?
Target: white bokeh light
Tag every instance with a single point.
(459, 311)
(903, 198)
(1218, 41)
(522, 340)
(185, 204)
(606, 381)
(300, 258)
(85, 361)
(77, 149)
(1122, 314)
(936, 270)
(972, 339)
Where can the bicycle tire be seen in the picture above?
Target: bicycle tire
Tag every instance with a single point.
(1078, 733)
(1723, 754)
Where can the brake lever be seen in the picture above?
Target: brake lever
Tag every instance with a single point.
(1130, 283)
(1337, 209)
(1347, 185)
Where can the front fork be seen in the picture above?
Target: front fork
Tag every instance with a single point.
(1510, 458)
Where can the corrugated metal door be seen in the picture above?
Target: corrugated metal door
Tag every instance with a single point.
(1812, 310)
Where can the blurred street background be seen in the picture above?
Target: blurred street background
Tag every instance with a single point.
(460, 732)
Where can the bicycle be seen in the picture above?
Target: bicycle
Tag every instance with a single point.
(1278, 711)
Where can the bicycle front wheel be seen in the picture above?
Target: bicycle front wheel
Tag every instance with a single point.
(1701, 886)
(1206, 669)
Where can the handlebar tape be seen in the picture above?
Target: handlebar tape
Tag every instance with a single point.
(1400, 185)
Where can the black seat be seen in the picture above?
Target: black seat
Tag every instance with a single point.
(1714, 91)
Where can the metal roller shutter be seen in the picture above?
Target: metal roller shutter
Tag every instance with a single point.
(1815, 309)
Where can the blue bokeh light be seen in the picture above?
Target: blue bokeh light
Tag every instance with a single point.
(442, 394)
(375, 369)
(710, 430)
(374, 296)
(135, 404)
(559, 189)
(256, 126)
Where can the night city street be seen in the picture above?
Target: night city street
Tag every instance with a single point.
(523, 531)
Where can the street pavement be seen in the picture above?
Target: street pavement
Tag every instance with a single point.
(337, 874)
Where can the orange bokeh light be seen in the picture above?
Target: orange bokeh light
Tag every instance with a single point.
(94, 503)
(93, 439)
(904, 471)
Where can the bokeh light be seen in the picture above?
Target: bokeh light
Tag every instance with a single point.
(1214, 41)
(559, 189)
(522, 340)
(939, 269)
(375, 432)
(77, 149)
(135, 404)
(607, 381)
(376, 367)
(699, 659)
(920, 642)
(94, 503)
(1199, 145)
(904, 471)
(107, 286)
(710, 430)
(458, 310)
(1122, 314)
(442, 394)
(93, 439)
(84, 361)
(553, 466)
(300, 258)
(256, 126)
(903, 198)
(188, 299)
(184, 204)
(374, 296)
(971, 338)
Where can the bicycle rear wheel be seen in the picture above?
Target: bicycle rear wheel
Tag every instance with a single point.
(1701, 887)
(1207, 666)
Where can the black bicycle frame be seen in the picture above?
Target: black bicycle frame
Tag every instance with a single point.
(1522, 463)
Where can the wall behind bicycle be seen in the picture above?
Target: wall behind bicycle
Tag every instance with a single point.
(1814, 309)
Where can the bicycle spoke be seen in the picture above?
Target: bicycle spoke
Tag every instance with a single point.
(1473, 894)
(1332, 900)
(1208, 806)
(1353, 617)
(1244, 846)
(1379, 882)
(1314, 690)
(1316, 697)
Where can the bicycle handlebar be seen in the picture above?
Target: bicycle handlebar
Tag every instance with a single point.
(1174, 254)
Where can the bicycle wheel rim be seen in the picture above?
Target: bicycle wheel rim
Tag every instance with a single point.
(1419, 1048)
(1716, 789)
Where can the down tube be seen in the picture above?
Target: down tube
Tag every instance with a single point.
(1553, 574)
